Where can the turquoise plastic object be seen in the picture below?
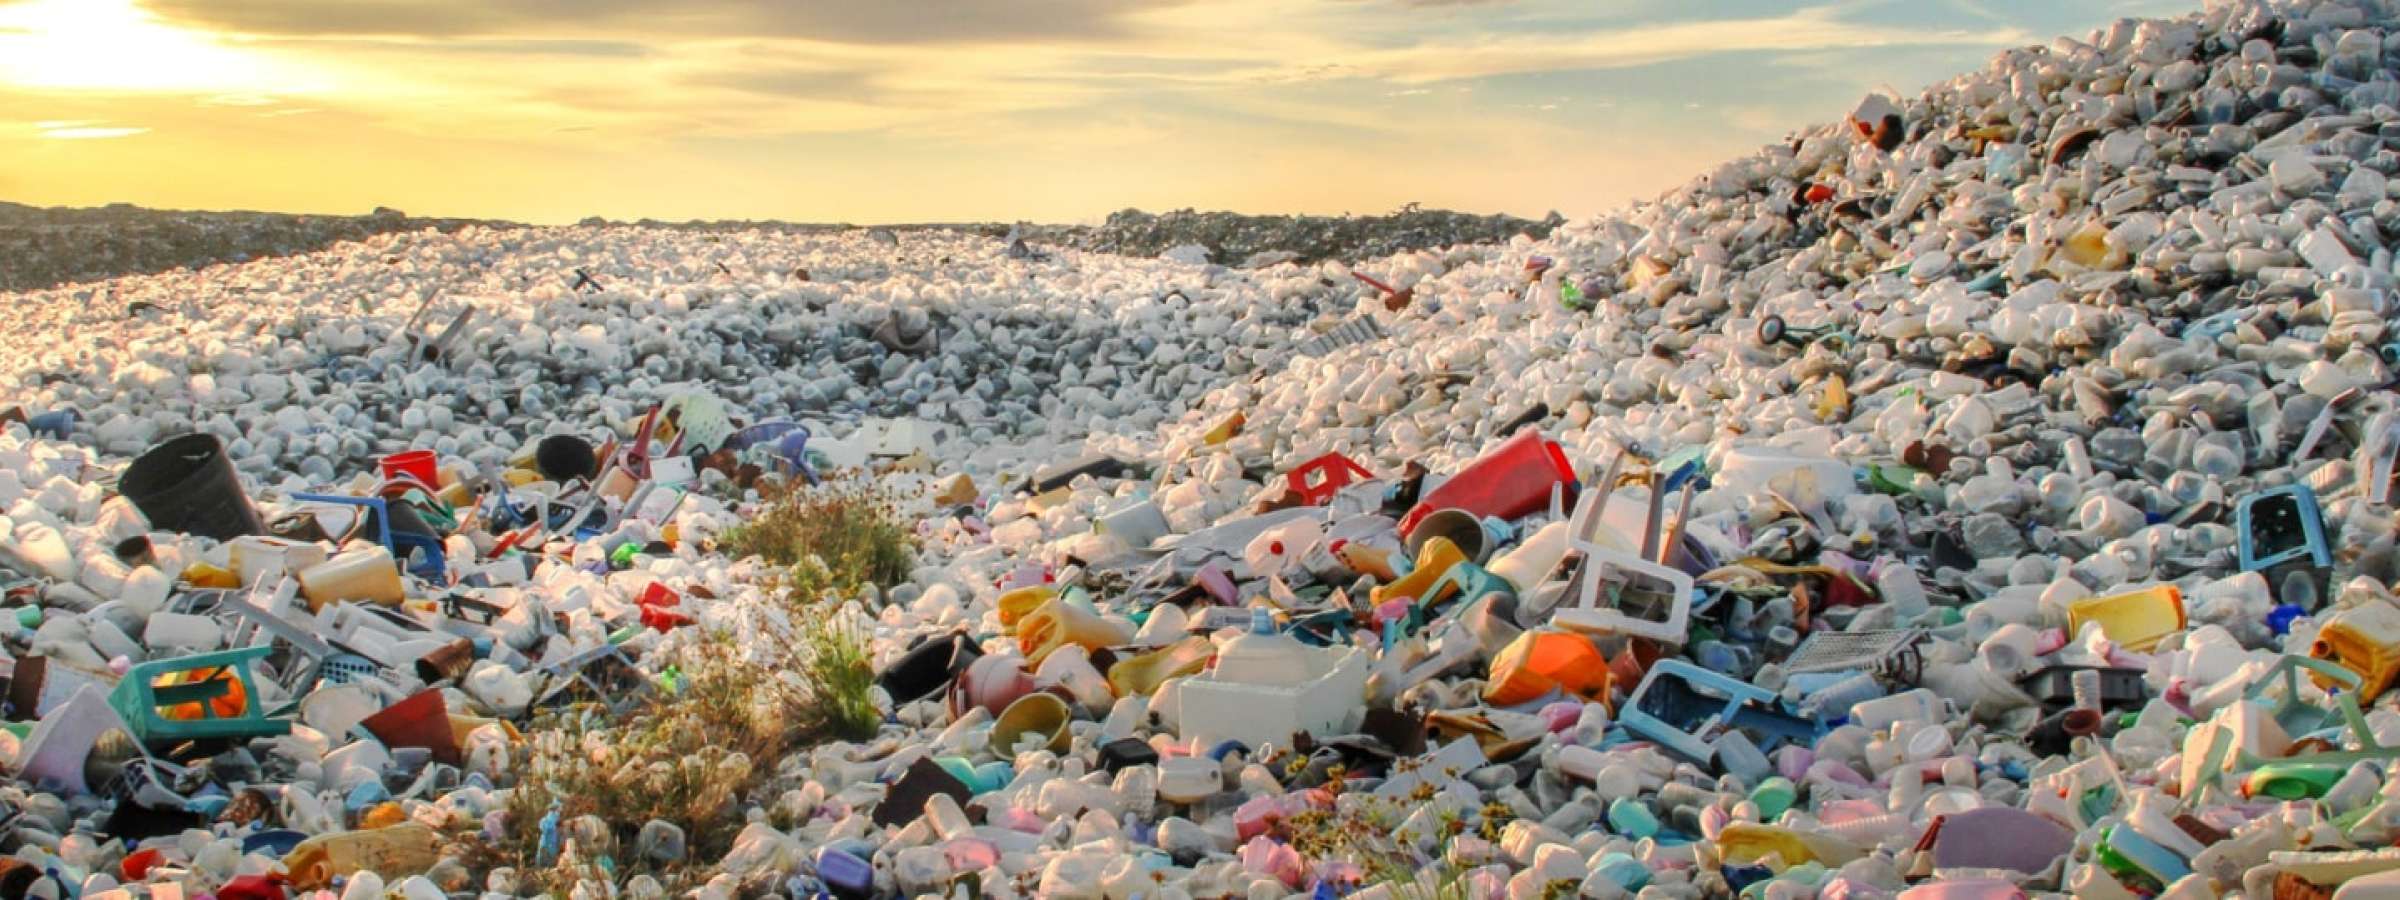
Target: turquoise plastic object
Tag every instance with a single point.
(139, 698)
(1471, 580)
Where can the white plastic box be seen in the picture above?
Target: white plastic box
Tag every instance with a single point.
(1331, 702)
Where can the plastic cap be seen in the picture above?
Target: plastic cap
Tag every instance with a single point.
(1261, 621)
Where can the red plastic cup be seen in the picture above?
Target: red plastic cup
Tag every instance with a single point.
(1509, 481)
(418, 464)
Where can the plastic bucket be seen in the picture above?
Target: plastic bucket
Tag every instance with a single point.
(418, 464)
(1039, 714)
(187, 484)
(1460, 526)
(1510, 481)
(422, 720)
(929, 668)
(565, 457)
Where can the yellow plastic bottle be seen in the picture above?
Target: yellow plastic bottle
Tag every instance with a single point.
(1433, 561)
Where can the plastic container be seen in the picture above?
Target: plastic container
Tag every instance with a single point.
(1275, 549)
(187, 484)
(1524, 565)
(1539, 662)
(1509, 481)
(2135, 620)
(1043, 716)
(421, 465)
(1329, 699)
(1433, 562)
(1313, 483)
(2364, 639)
(1262, 656)
(1059, 623)
(1457, 526)
(1744, 470)
(364, 573)
(256, 557)
(393, 852)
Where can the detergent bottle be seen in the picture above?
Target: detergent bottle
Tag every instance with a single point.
(1264, 655)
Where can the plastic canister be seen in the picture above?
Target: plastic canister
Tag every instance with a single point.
(1262, 656)
(1276, 548)
(1744, 470)
(399, 850)
(1919, 705)
(2364, 639)
(1525, 564)
(1509, 481)
(2136, 620)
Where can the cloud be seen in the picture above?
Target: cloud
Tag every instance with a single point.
(83, 130)
(875, 22)
(1454, 59)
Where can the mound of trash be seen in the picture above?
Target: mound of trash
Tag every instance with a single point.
(45, 247)
(1988, 495)
(1234, 239)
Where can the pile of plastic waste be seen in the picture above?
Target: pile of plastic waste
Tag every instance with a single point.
(1988, 495)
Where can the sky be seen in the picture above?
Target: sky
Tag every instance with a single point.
(946, 110)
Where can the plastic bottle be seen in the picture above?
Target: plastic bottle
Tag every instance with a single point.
(1262, 656)
(1273, 551)
(399, 850)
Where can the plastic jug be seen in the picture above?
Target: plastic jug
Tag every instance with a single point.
(1525, 564)
(400, 850)
(1059, 623)
(1274, 550)
(1262, 656)
(1543, 660)
(1140, 676)
(1014, 605)
(2135, 620)
(1509, 481)
(2364, 639)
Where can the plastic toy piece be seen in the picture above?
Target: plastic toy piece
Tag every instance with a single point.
(210, 695)
(1316, 481)
(1685, 709)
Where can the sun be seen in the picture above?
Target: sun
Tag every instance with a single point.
(114, 45)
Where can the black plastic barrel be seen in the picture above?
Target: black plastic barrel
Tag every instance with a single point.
(928, 667)
(187, 484)
(565, 457)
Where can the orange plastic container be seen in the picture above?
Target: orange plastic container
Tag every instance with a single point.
(1544, 659)
(2364, 639)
